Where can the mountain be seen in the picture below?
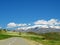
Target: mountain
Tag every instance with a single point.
(39, 30)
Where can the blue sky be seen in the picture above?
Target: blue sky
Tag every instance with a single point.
(28, 11)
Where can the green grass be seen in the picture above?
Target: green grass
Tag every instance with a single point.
(3, 36)
(46, 39)
(8, 35)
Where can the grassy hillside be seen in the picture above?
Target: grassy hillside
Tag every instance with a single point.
(46, 38)
(3, 36)
(52, 38)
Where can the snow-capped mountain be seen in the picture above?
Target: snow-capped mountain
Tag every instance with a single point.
(39, 30)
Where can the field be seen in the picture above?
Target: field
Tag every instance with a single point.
(5, 35)
(46, 39)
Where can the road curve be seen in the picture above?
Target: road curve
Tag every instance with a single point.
(14, 41)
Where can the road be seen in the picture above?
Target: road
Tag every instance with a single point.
(14, 41)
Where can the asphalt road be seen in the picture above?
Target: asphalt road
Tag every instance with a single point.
(14, 41)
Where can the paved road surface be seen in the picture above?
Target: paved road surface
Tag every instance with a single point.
(14, 41)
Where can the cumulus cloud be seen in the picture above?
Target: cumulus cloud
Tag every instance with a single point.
(45, 22)
(52, 23)
(22, 28)
(11, 25)
(21, 24)
(40, 22)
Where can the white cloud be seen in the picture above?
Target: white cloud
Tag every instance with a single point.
(52, 23)
(21, 24)
(11, 25)
(49, 22)
(22, 28)
(41, 22)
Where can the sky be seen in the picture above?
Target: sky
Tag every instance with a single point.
(28, 11)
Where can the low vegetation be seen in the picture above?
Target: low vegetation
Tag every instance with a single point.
(3, 36)
(52, 38)
(46, 38)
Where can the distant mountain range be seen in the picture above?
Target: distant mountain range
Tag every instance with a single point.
(39, 30)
